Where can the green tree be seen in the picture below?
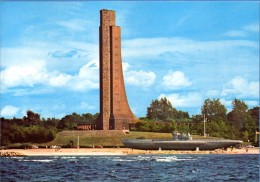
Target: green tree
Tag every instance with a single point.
(161, 110)
(214, 110)
(254, 113)
(243, 120)
(89, 118)
(32, 118)
(182, 115)
(143, 125)
(238, 116)
(71, 121)
(215, 113)
(50, 122)
(68, 122)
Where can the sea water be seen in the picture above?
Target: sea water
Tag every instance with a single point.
(131, 168)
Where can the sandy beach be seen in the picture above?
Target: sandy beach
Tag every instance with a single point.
(115, 151)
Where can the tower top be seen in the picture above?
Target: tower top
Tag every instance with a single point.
(107, 17)
(106, 10)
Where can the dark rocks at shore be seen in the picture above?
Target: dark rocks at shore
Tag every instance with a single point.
(10, 154)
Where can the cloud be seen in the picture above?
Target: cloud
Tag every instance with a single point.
(175, 80)
(22, 55)
(74, 25)
(241, 88)
(244, 31)
(87, 78)
(59, 79)
(148, 48)
(140, 78)
(125, 66)
(9, 111)
(254, 27)
(252, 103)
(213, 93)
(189, 100)
(236, 33)
(86, 106)
(24, 75)
(36, 74)
(60, 54)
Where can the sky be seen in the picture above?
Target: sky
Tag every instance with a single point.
(184, 51)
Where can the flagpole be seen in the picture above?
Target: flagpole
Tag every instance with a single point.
(204, 126)
(78, 142)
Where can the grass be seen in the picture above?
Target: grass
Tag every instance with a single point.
(98, 138)
(101, 138)
(110, 138)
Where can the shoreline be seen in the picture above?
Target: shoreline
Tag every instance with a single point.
(116, 151)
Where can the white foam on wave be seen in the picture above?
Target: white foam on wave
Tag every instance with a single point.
(165, 159)
(84, 157)
(16, 157)
(37, 160)
(186, 159)
(70, 157)
(123, 160)
(171, 159)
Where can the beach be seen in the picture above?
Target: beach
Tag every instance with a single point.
(115, 151)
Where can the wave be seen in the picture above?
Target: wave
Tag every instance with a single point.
(171, 159)
(17, 157)
(68, 157)
(123, 160)
(36, 160)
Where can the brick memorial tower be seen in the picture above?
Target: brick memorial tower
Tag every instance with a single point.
(115, 113)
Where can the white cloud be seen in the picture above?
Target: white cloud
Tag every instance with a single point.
(24, 75)
(213, 93)
(227, 103)
(175, 80)
(252, 103)
(9, 111)
(87, 78)
(36, 73)
(140, 78)
(86, 106)
(241, 88)
(236, 33)
(74, 25)
(22, 55)
(59, 79)
(254, 27)
(125, 66)
(154, 47)
(190, 100)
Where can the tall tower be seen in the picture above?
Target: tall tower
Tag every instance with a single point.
(115, 113)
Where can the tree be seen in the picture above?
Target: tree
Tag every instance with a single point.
(143, 125)
(182, 115)
(254, 112)
(71, 121)
(68, 122)
(214, 110)
(50, 122)
(161, 110)
(31, 118)
(238, 116)
(215, 113)
(243, 120)
(89, 118)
